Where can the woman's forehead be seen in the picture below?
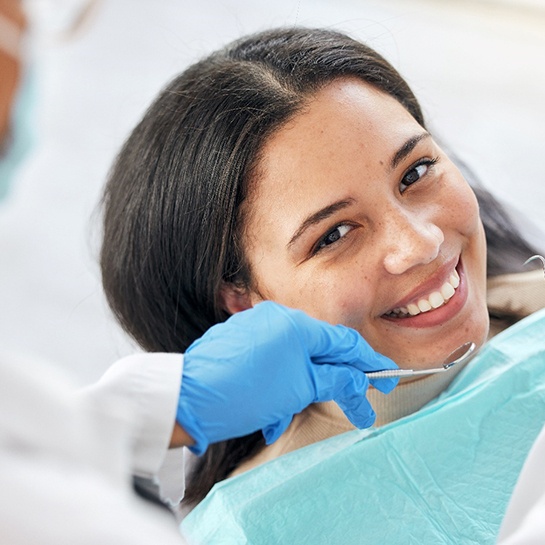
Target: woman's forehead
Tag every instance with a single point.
(347, 122)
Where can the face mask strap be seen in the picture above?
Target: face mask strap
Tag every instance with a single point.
(11, 37)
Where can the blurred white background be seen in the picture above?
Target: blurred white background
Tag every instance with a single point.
(478, 69)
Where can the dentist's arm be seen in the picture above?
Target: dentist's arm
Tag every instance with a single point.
(252, 372)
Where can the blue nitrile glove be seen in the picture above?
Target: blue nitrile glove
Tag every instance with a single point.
(263, 365)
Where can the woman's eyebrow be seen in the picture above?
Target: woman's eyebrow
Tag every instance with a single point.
(320, 215)
(406, 148)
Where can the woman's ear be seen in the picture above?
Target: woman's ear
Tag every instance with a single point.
(234, 298)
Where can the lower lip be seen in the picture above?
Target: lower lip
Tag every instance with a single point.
(440, 315)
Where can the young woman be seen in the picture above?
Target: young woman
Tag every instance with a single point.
(295, 166)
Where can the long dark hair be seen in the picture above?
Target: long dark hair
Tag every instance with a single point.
(172, 222)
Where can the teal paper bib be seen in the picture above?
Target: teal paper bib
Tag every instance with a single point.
(443, 475)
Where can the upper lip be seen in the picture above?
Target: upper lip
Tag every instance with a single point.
(432, 283)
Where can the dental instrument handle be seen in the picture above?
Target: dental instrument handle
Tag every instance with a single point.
(393, 373)
(463, 353)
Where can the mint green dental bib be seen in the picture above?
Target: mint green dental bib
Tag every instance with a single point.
(442, 475)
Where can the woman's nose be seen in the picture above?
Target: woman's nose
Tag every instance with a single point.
(412, 241)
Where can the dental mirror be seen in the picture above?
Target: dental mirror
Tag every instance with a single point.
(460, 355)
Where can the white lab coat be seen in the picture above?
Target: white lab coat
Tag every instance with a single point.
(148, 385)
(65, 460)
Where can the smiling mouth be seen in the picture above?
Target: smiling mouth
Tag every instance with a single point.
(433, 301)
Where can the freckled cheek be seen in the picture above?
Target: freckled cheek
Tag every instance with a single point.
(467, 222)
(338, 299)
(461, 210)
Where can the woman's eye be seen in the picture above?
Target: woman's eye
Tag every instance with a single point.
(416, 173)
(333, 236)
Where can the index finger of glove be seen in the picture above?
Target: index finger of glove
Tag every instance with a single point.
(348, 387)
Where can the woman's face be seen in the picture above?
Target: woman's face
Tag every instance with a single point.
(357, 217)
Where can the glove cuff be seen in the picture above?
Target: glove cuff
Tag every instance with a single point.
(186, 419)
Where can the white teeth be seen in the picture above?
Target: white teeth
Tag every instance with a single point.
(447, 291)
(433, 301)
(424, 305)
(436, 299)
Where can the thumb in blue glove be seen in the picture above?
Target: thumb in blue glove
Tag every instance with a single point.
(266, 364)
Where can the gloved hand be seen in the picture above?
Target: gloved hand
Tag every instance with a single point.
(265, 364)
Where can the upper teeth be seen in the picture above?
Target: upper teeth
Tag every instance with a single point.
(434, 299)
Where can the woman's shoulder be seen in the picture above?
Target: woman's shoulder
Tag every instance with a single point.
(518, 293)
(511, 297)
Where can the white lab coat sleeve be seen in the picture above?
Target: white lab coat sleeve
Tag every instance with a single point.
(63, 466)
(147, 385)
(524, 522)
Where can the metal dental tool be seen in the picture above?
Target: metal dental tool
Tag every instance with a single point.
(540, 257)
(460, 355)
